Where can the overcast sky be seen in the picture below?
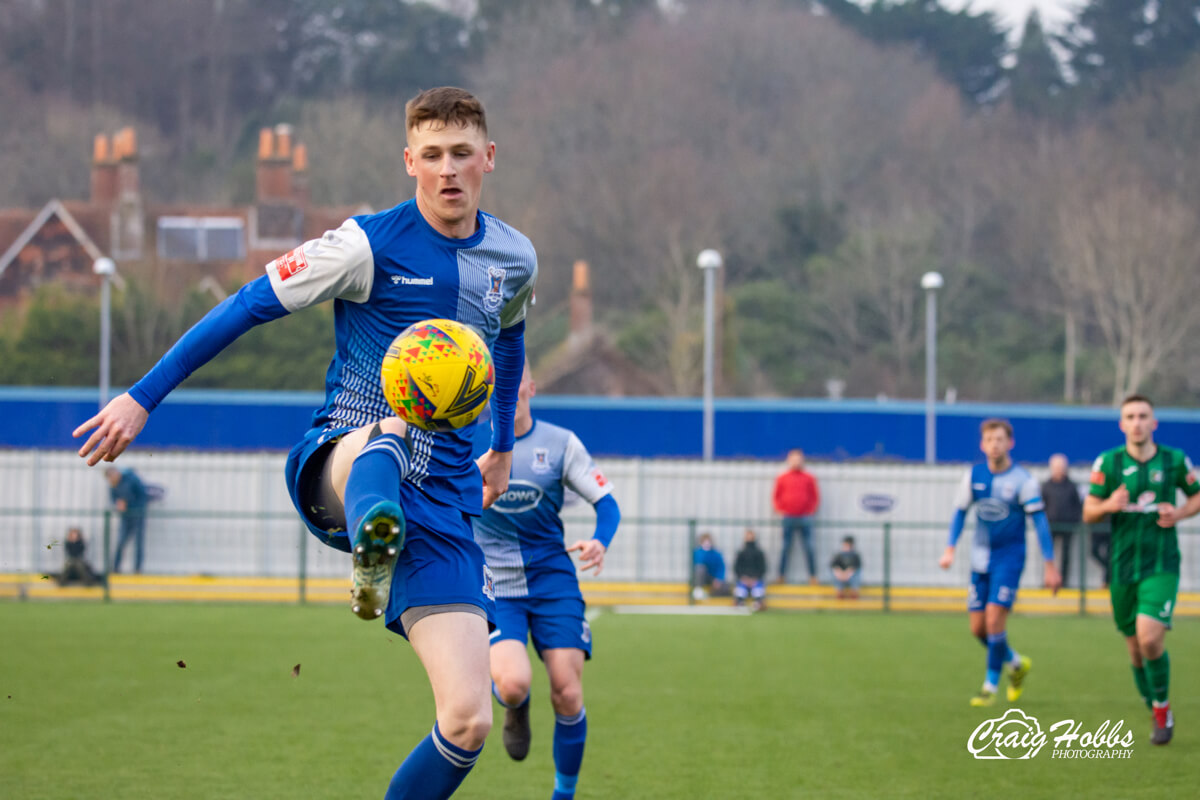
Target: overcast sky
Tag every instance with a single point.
(1054, 13)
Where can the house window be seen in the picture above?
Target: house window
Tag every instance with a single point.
(201, 238)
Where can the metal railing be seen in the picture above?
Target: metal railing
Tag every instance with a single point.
(249, 545)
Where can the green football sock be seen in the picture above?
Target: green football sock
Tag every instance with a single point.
(1143, 683)
(1158, 671)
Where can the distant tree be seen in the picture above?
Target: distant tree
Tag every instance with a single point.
(1113, 43)
(388, 49)
(56, 344)
(968, 48)
(1129, 257)
(1036, 83)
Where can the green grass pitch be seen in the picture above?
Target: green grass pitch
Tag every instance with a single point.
(93, 705)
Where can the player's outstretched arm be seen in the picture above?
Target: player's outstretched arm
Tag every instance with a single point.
(495, 467)
(956, 529)
(1052, 578)
(591, 554)
(608, 517)
(1169, 515)
(117, 424)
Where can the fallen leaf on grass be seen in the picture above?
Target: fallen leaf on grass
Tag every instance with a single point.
(180, 663)
(296, 671)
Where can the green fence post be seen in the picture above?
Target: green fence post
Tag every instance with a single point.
(1085, 541)
(691, 571)
(108, 559)
(303, 576)
(887, 566)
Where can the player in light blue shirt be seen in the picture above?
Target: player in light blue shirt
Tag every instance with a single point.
(397, 498)
(537, 590)
(1003, 495)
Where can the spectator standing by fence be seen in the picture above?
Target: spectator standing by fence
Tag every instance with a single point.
(797, 498)
(130, 498)
(1064, 510)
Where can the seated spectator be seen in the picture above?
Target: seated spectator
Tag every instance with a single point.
(76, 569)
(847, 570)
(750, 567)
(708, 570)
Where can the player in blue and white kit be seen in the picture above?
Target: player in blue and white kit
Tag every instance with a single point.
(1003, 495)
(537, 591)
(398, 498)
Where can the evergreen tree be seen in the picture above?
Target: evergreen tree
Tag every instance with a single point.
(1036, 82)
(968, 48)
(1114, 42)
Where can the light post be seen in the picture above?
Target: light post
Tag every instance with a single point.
(105, 268)
(931, 282)
(709, 261)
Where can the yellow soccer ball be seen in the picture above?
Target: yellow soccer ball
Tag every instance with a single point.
(438, 375)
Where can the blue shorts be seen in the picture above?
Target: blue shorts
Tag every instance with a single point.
(553, 623)
(440, 564)
(996, 586)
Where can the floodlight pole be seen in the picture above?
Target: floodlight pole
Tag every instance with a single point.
(931, 282)
(105, 268)
(709, 261)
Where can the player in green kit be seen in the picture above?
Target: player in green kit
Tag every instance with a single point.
(1137, 485)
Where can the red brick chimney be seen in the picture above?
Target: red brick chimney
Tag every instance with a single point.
(273, 179)
(580, 302)
(104, 171)
(124, 151)
(300, 191)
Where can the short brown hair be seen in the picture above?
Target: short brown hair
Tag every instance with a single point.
(996, 422)
(1137, 398)
(446, 105)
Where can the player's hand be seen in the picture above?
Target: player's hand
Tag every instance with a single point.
(1118, 499)
(495, 469)
(1053, 579)
(947, 558)
(591, 554)
(1168, 515)
(117, 424)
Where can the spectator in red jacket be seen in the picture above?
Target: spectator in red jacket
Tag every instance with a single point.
(796, 499)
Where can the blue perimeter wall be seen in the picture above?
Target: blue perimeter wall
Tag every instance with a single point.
(623, 427)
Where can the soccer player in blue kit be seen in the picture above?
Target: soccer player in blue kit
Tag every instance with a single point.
(537, 591)
(1003, 494)
(398, 498)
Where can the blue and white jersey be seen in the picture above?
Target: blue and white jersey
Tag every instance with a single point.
(385, 272)
(522, 533)
(1001, 502)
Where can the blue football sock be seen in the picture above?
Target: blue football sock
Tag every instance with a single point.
(997, 648)
(570, 735)
(1010, 655)
(432, 771)
(375, 477)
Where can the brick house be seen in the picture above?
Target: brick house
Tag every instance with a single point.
(174, 246)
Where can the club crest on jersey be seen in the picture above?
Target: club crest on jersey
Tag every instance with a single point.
(541, 460)
(494, 297)
(1156, 476)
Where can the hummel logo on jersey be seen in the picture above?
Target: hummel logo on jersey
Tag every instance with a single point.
(979, 487)
(407, 281)
(1129, 470)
